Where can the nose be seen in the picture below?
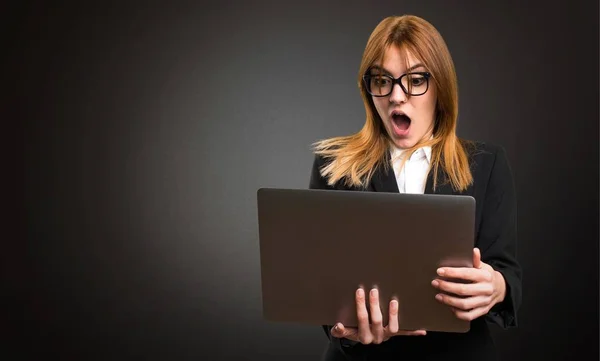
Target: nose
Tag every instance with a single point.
(398, 95)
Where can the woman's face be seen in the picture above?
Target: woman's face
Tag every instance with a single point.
(407, 119)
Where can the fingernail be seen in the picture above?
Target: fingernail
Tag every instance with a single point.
(374, 292)
(435, 283)
(438, 297)
(440, 271)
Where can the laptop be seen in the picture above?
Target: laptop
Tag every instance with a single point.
(318, 246)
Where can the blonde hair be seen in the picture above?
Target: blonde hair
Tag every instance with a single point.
(354, 158)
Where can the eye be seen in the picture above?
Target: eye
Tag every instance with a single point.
(417, 80)
(380, 81)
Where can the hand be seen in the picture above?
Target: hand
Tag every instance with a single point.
(485, 288)
(374, 332)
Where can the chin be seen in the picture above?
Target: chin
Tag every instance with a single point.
(404, 143)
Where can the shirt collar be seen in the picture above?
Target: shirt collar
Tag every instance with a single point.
(423, 151)
(427, 151)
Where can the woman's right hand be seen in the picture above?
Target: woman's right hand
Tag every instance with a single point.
(373, 331)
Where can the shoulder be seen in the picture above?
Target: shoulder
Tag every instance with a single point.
(317, 180)
(319, 162)
(324, 154)
(484, 155)
(476, 148)
(489, 164)
(323, 171)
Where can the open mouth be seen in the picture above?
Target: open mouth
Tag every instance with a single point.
(401, 123)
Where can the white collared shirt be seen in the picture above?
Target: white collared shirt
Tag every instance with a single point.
(412, 178)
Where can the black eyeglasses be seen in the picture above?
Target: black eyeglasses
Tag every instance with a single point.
(381, 85)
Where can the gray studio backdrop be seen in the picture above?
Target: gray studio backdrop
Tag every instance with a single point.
(151, 128)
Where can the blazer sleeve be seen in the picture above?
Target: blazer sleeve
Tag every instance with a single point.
(498, 239)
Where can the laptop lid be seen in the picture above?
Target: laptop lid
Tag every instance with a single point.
(318, 246)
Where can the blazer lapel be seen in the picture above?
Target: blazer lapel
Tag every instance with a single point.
(384, 180)
(443, 187)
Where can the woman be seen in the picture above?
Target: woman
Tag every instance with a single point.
(409, 145)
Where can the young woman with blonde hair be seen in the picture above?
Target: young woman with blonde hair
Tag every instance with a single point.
(409, 144)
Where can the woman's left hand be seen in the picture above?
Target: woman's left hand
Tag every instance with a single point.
(485, 287)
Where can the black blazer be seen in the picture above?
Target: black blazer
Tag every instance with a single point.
(496, 237)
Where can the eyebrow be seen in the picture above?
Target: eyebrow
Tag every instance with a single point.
(418, 65)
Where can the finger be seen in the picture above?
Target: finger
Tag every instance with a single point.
(472, 314)
(476, 258)
(464, 304)
(376, 317)
(394, 323)
(392, 327)
(412, 333)
(465, 274)
(464, 289)
(364, 330)
(340, 331)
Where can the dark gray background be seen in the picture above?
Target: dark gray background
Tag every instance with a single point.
(149, 128)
